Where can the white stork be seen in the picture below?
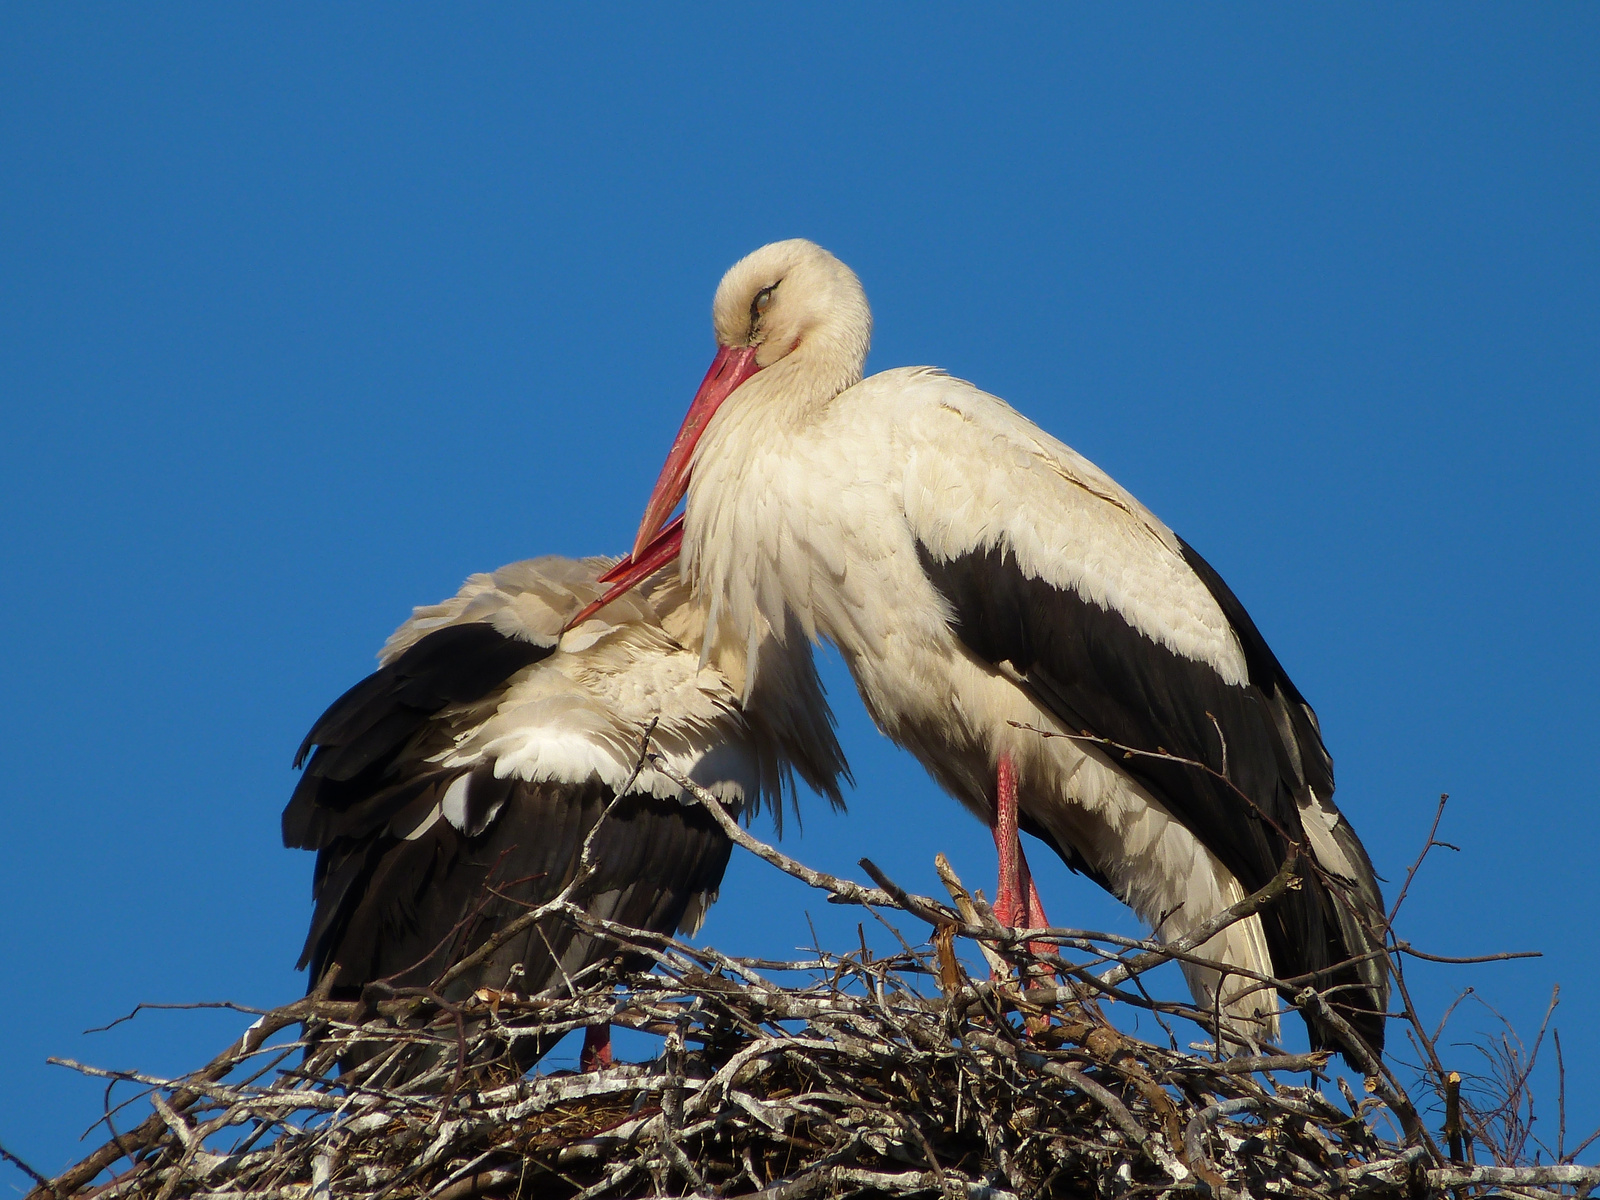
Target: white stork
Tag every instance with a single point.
(456, 785)
(978, 575)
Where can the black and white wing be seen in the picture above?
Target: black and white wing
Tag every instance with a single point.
(457, 785)
(1125, 634)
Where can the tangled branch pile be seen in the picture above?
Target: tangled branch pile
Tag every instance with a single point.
(838, 1076)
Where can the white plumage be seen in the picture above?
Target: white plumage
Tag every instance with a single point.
(825, 526)
(581, 713)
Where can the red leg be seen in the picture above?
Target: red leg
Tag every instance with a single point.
(596, 1055)
(1008, 902)
(1017, 903)
(1036, 918)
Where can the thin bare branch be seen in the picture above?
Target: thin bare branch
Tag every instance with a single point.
(835, 1074)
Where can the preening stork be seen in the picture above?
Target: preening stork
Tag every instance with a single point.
(978, 575)
(456, 786)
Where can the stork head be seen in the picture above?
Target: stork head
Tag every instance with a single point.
(795, 299)
(789, 310)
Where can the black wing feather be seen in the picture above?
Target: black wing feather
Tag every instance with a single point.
(401, 893)
(1101, 676)
(1296, 722)
(363, 734)
(403, 911)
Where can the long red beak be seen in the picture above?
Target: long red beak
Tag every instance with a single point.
(732, 366)
(632, 571)
(655, 547)
(625, 564)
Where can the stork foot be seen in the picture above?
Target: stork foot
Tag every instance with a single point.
(596, 1054)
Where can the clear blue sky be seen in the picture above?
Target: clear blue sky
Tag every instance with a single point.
(305, 315)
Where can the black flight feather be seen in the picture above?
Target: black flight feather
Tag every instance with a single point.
(1097, 673)
(401, 893)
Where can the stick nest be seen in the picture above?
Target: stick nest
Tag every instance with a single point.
(842, 1075)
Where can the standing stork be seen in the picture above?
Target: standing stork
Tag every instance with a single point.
(977, 575)
(455, 788)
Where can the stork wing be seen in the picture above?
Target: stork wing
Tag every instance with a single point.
(357, 776)
(404, 909)
(1128, 637)
(425, 852)
(373, 753)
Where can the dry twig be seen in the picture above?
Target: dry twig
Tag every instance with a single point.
(838, 1075)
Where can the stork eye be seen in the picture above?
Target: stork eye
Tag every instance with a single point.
(762, 301)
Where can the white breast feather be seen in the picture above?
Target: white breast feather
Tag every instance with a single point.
(581, 713)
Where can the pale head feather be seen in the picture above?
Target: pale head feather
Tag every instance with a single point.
(815, 326)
